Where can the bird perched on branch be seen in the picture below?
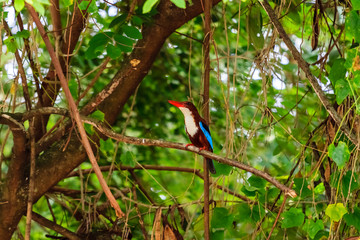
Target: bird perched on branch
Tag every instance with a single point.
(196, 128)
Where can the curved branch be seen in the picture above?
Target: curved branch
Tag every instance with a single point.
(165, 144)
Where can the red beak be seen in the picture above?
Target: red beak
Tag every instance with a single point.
(176, 104)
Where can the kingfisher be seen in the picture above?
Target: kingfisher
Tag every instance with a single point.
(196, 129)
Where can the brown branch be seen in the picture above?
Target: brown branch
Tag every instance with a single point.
(206, 112)
(142, 226)
(63, 45)
(74, 112)
(165, 144)
(305, 67)
(30, 199)
(278, 215)
(56, 18)
(139, 167)
(160, 143)
(53, 226)
(165, 168)
(13, 180)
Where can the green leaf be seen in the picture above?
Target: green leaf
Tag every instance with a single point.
(179, 3)
(22, 34)
(342, 90)
(335, 211)
(73, 87)
(339, 154)
(127, 159)
(101, 39)
(107, 147)
(254, 26)
(124, 43)
(148, 5)
(89, 7)
(98, 115)
(349, 178)
(89, 129)
(137, 21)
(240, 210)
(337, 71)
(292, 218)
(221, 169)
(113, 51)
(353, 25)
(218, 235)
(312, 228)
(118, 20)
(257, 182)
(94, 51)
(67, 3)
(132, 32)
(301, 187)
(19, 5)
(10, 44)
(355, 4)
(353, 219)
(258, 212)
(221, 219)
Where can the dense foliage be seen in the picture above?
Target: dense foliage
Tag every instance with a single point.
(264, 113)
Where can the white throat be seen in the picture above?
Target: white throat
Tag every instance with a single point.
(189, 121)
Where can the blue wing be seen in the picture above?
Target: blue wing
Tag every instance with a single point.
(205, 129)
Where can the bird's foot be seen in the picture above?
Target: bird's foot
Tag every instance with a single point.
(202, 148)
(189, 144)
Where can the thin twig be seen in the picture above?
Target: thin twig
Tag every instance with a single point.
(31, 181)
(74, 112)
(278, 215)
(206, 113)
(57, 228)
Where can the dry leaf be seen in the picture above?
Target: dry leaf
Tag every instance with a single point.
(327, 173)
(157, 226)
(356, 63)
(169, 234)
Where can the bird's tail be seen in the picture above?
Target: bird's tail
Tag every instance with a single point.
(211, 166)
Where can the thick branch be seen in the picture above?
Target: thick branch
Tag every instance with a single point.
(305, 67)
(10, 188)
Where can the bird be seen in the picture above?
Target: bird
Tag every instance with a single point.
(196, 129)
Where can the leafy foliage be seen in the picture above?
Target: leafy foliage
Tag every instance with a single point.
(264, 113)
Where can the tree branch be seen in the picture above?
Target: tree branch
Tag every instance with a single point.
(74, 112)
(305, 67)
(165, 144)
(57, 228)
(160, 143)
(166, 168)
